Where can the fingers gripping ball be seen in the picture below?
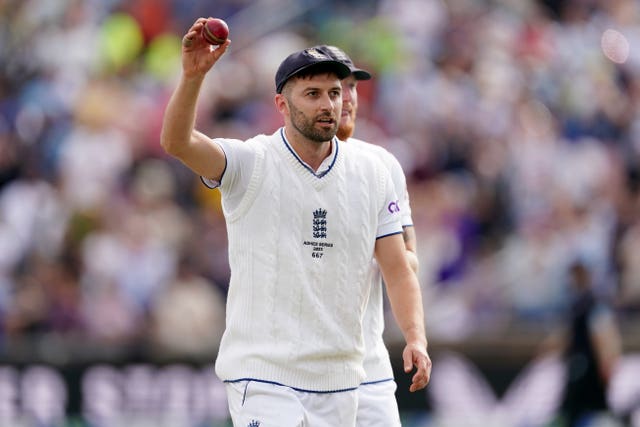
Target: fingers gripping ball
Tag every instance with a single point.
(215, 31)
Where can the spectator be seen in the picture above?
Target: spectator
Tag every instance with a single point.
(188, 317)
(591, 347)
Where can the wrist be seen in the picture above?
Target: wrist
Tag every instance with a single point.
(192, 78)
(415, 336)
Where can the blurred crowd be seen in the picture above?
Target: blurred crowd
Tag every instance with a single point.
(517, 123)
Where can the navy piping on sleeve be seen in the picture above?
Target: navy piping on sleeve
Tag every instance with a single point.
(221, 175)
(204, 182)
(390, 234)
(226, 163)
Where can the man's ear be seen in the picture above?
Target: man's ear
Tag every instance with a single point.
(281, 104)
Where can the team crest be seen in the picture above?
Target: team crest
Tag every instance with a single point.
(320, 224)
(254, 423)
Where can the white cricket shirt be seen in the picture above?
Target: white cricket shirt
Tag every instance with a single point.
(300, 250)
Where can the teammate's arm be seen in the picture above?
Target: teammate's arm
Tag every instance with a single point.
(399, 182)
(403, 291)
(178, 136)
(410, 243)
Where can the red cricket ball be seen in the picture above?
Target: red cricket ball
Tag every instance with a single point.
(215, 31)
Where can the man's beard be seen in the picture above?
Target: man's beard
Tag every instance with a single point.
(346, 128)
(345, 131)
(307, 126)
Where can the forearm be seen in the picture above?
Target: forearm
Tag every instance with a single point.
(180, 116)
(406, 303)
(403, 288)
(412, 259)
(409, 237)
(405, 296)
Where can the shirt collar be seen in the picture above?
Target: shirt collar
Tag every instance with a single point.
(326, 165)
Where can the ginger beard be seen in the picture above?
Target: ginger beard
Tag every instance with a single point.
(347, 123)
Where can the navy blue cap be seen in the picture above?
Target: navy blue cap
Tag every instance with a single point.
(339, 55)
(304, 59)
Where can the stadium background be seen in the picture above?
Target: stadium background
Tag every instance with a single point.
(517, 123)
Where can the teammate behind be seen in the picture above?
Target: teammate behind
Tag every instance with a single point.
(377, 404)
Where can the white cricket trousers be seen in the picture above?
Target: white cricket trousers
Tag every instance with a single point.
(377, 405)
(260, 404)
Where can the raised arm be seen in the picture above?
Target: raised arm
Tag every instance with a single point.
(404, 294)
(179, 137)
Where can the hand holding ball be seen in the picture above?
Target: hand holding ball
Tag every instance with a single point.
(215, 31)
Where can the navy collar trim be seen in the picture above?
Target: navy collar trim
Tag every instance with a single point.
(306, 166)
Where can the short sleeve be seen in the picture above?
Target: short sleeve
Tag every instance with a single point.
(389, 217)
(400, 186)
(240, 157)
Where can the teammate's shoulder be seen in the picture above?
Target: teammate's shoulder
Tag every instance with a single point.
(361, 144)
(357, 146)
(355, 154)
(377, 150)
